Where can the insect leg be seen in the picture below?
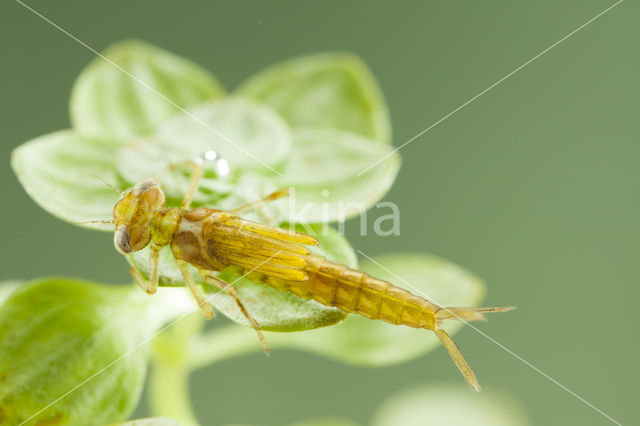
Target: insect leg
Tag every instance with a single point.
(196, 175)
(153, 268)
(231, 291)
(151, 286)
(139, 279)
(196, 290)
(280, 193)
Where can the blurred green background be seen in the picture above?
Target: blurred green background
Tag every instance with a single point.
(534, 186)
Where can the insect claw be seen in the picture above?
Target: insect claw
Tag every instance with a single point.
(207, 310)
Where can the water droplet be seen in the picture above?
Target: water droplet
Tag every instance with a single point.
(223, 167)
(210, 155)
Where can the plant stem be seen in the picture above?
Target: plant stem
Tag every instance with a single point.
(219, 344)
(183, 350)
(232, 340)
(169, 381)
(169, 392)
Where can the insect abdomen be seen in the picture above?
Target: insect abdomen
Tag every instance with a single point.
(334, 284)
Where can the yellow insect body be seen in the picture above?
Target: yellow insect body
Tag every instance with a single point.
(215, 240)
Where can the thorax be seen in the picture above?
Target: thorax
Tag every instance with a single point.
(164, 225)
(192, 241)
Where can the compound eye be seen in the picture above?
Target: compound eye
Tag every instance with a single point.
(142, 186)
(122, 240)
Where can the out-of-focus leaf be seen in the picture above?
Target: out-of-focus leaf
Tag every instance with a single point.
(362, 341)
(449, 405)
(324, 169)
(7, 288)
(327, 90)
(124, 132)
(330, 156)
(273, 309)
(56, 334)
(241, 133)
(60, 172)
(135, 88)
(326, 422)
(150, 421)
(246, 133)
(317, 422)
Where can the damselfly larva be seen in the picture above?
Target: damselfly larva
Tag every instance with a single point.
(215, 240)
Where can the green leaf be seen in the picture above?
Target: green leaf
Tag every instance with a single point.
(333, 245)
(136, 88)
(316, 422)
(451, 405)
(324, 169)
(326, 90)
(246, 135)
(326, 422)
(361, 341)
(149, 421)
(7, 288)
(125, 133)
(273, 309)
(56, 334)
(60, 172)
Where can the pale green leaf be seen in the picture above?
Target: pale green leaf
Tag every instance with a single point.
(60, 172)
(327, 90)
(240, 132)
(324, 171)
(333, 245)
(135, 88)
(315, 422)
(451, 405)
(330, 156)
(246, 134)
(326, 422)
(362, 341)
(149, 421)
(273, 309)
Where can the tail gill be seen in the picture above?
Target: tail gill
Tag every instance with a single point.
(462, 314)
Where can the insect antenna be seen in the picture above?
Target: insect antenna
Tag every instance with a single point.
(118, 190)
(111, 221)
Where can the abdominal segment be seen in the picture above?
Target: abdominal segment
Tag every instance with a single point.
(215, 240)
(335, 284)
